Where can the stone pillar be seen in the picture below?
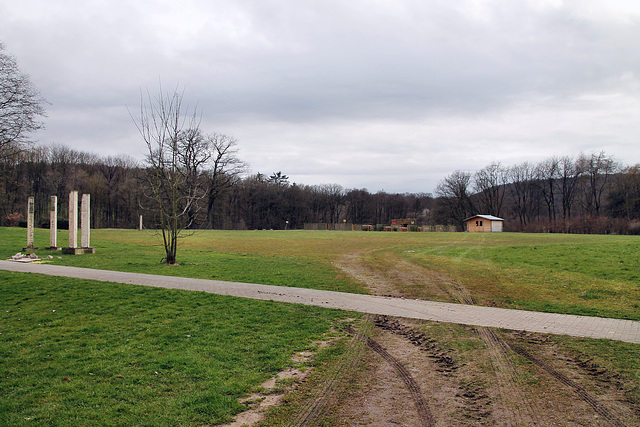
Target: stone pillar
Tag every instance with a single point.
(73, 248)
(85, 218)
(73, 219)
(53, 223)
(30, 219)
(140, 224)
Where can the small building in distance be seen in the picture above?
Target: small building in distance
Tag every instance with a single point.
(404, 224)
(484, 224)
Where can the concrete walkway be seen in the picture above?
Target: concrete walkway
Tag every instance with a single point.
(563, 324)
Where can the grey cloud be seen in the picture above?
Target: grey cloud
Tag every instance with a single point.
(453, 64)
(297, 81)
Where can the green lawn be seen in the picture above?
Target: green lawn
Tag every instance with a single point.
(589, 275)
(79, 352)
(254, 257)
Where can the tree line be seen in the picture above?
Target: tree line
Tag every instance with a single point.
(585, 194)
(230, 198)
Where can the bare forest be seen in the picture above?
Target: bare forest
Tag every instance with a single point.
(585, 194)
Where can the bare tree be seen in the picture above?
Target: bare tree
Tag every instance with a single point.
(454, 197)
(223, 171)
(624, 197)
(65, 173)
(333, 196)
(599, 168)
(357, 203)
(194, 157)
(569, 171)
(547, 174)
(172, 161)
(116, 171)
(489, 183)
(522, 177)
(20, 107)
(326, 202)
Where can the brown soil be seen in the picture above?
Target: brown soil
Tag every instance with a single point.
(508, 379)
(401, 372)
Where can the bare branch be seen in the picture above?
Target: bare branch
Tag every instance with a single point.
(21, 107)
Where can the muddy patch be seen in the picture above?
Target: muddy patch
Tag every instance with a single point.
(442, 358)
(274, 389)
(489, 377)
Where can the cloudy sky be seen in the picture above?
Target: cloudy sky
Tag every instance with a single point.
(386, 95)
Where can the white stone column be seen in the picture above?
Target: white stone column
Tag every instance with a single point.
(85, 224)
(30, 219)
(140, 224)
(53, 222)
(73, 219)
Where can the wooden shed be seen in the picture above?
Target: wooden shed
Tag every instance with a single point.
(484, 224)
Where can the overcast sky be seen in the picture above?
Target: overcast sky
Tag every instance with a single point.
(386, 95)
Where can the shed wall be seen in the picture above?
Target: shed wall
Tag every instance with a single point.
(487, 226)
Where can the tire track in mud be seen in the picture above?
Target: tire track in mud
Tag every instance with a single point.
(518, 407)
(445, 363)
(504, 370)
(500, 349)
(353, 266)
(507, 376)
(419, 401)
(507, 373)
(315, 408)
(578, 390)
(503, 367)
(476, 404)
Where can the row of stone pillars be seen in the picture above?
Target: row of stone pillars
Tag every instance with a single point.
(85, 227)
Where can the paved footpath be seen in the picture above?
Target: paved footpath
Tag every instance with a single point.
(563, 324)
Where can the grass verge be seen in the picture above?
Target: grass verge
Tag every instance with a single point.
(77, 352)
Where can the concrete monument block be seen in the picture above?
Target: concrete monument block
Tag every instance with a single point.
(73, 219)
(85, 218)
(30, 226)
(53, 223)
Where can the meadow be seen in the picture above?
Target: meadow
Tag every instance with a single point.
(576, 274)
(78, 352)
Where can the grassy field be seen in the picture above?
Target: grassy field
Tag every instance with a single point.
(85, 353)
(78, 352)
(575, 274)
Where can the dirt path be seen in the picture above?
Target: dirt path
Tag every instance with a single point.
(506, 379)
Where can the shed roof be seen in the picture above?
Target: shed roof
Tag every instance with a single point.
(489, 217)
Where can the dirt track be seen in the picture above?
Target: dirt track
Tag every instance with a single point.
(412, 377)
